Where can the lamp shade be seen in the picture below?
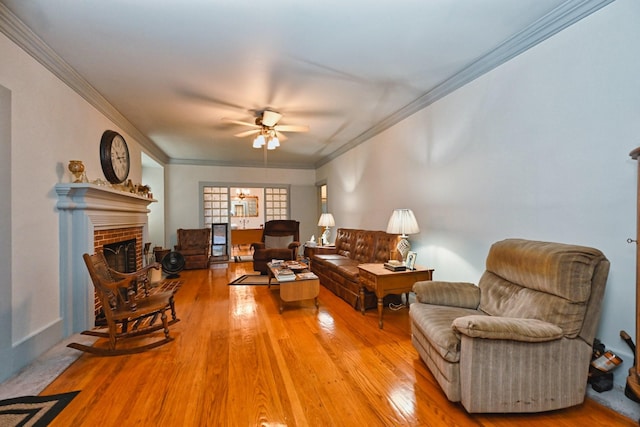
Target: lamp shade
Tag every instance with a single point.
(403, 222)
(326, 220)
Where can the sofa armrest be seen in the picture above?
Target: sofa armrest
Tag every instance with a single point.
(507, 328)
(453, 294)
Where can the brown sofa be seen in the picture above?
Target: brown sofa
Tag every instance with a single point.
(520, 341)
(338, 268)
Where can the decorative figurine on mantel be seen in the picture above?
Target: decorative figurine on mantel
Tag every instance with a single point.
(76, 167)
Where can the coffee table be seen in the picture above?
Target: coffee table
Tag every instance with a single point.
(306, 285)
(384, 282)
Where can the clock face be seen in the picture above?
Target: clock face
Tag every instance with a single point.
(120, 158)
(114, 157)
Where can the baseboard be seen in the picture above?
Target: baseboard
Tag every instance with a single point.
(616, 400)
(29, 349)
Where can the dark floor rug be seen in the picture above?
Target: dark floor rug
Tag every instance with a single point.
(37, 411)
(252, 279)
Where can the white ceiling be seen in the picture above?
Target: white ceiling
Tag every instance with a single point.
(346, 68)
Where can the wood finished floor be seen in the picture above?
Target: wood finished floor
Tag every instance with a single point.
(236, 361)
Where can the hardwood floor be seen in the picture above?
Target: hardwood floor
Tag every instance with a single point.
(236, 361)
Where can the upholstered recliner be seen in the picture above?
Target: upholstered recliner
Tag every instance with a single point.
(280, 240)
(520, 341)
(193, 245)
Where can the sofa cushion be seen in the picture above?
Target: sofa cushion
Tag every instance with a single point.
(349, 271)
(435, 323)
(365, 246)
(545, 266)
(528, 279)
(196, 251)
(501, 298)
(455, 294)
(277, 241)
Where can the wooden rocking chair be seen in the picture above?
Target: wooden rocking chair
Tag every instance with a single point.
(128, 313)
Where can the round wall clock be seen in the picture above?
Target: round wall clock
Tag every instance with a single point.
(114, 157)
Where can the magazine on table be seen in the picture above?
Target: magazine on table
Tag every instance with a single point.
(306, 276)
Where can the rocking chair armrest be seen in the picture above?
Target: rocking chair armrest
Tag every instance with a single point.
(123, 283)
(143, 272)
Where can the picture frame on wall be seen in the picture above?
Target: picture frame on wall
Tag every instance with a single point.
(411, 260)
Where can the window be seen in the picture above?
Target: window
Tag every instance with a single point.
(276, 203)
(217, 208)
(215, 205)
(323, 198)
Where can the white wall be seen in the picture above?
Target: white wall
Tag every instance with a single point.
(153, 176)
(5, 232)
(183, 192)
(50, 125)
(537, 148)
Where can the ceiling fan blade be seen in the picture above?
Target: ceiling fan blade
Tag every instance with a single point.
(291, 128)
(270, 118)
(240, 122)
(281, 136)
(247, 133)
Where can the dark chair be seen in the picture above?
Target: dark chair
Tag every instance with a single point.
(193, 245)
(128, 313)
(280, 240)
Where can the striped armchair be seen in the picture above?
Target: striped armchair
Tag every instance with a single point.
(520, 341)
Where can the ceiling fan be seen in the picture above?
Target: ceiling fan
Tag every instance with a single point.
(267, 130)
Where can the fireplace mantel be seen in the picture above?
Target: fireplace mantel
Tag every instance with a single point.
(85, 208)
(92, 196)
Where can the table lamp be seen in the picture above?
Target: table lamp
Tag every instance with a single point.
(326, 221)
(403, 222)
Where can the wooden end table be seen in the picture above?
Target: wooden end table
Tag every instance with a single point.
(296, 290)
(385, 282)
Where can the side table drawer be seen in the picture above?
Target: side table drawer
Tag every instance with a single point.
(367, 279)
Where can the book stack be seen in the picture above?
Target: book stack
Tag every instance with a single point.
(285, 275)
(395, 266)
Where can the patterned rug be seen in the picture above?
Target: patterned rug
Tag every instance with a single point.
(37, 411)
(252, 279)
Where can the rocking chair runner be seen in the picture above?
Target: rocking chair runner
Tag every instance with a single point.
(124, 308)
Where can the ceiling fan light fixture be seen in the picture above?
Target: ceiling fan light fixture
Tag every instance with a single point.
(273, 143)
(258, 142)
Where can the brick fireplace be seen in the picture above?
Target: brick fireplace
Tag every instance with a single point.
(115, 243)
(90, 217)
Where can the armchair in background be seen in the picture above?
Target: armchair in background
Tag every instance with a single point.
(193, 245)
(280, 240)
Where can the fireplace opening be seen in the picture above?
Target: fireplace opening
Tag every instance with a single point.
(121, 256)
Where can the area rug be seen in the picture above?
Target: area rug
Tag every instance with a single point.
(253, 279)
(37, 411)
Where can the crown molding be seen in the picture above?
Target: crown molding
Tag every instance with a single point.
(241, 164)
(565, 15)
(31, 43)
